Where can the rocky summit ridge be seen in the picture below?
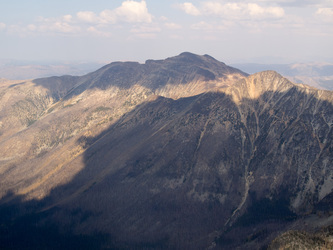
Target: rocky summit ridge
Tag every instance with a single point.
(185, 152)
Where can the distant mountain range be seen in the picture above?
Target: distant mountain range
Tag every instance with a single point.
(181, 153)
(19, 70)
(319, 75)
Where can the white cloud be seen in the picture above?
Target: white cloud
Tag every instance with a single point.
(212, 27)
(88, 22)
(172, 26)
(298, 3)
(129, 11)
(108, 16)
(146, 35)
(95, 31)
(325, 16)
(216, 8)
(232, 10)
(59, 25)
(64, 24)
(32, 27)
(275, 11)
(202, 26)
(284, 3)
(176, 37)
(2, 26)
(190, 9)
(67, 18)
(169, 25)
(134, 12)
(217, 16)
(258, 11)
(326, 13)
(255, 10)
(17, 29)
(87, 16)
(146, 29)
(163, 19)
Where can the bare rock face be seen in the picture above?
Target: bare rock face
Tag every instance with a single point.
(304, 240)
(181, 153)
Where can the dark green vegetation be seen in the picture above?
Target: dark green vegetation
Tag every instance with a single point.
(126, 166)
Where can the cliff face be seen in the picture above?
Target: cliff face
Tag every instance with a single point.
(180, 153)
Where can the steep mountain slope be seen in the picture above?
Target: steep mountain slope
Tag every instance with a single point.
(220, 160)
(43, 119)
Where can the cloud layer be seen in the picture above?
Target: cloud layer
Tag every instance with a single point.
(87, 22)
(183, 24)
(134, 17)
(190, 9)
(2, 26)
(232, 10)
(129, 11)
(325, 13)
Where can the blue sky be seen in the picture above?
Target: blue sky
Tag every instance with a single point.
(261, 31)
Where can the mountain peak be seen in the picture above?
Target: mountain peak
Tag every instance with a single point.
(257, 84)
(188, 57)
(184, 69)
(268, 74)
(187, 53)
(270, 80)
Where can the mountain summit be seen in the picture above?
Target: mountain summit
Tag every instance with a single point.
(155, 75)
(181, 153)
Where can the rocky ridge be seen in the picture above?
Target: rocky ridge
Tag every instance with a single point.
(44, 114)
(178, 153)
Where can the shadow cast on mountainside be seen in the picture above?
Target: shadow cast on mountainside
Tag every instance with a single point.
(177, 174)
(24, 226)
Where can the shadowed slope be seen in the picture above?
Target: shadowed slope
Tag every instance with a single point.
(213, 169)
(41, 120)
